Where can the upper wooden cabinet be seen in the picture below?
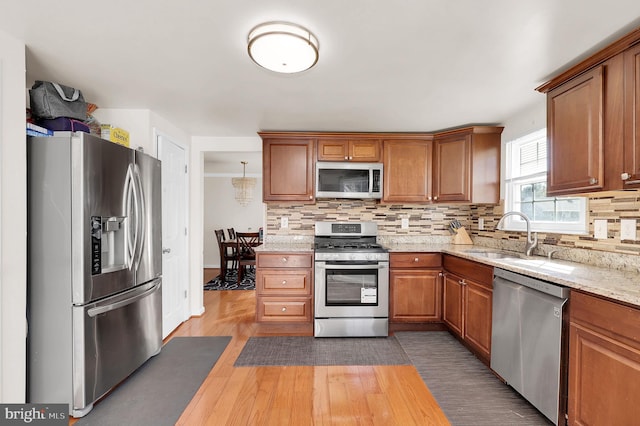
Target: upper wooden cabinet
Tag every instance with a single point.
(340, 149)
(592, 122)
(288, 166)
(575, 134)
(407, 170)
(631, 150)
(466, 165)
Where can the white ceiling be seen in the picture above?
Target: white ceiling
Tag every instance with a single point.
(407, 65)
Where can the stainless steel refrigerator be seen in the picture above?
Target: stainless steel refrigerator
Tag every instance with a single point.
(94, 267)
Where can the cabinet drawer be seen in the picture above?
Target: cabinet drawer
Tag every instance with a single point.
(284, 260)
(284, 309)
(475, 271)
(283, 281)
(415, 260)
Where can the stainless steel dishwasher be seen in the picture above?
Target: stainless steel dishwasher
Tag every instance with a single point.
(527, 339)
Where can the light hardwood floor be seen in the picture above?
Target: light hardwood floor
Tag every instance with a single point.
(334, 395)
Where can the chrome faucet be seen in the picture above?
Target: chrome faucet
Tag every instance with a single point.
(532, 237)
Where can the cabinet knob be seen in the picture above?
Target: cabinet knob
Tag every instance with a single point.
(311, 197)
(350, 157)
(346, 158)
(435, 198)
(284, 282)
(625, 176)
(461, 282)
(593, 181)
(429, 198)
(284, 309)
(416, 259)
(284, 260)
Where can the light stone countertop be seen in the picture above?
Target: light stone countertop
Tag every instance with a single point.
(623, 286)
(283, 246)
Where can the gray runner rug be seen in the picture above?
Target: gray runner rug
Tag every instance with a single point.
(307, 350)
(159, 391)
(466, 390)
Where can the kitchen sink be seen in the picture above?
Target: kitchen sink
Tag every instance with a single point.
(494, 254)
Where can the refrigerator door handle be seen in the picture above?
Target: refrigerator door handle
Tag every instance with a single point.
(140, 214)
(129, 203)
(92, 312)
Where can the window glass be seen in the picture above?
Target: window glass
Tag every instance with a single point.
(526, 190)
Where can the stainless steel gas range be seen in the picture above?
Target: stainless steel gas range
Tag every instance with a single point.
(351, 281)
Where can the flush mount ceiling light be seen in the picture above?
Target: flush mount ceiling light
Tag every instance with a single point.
(283, 47)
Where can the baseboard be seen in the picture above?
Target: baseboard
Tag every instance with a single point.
(211, 266)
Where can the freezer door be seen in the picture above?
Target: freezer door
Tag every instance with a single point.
(149, 250)
(112, 338)
(100, 220)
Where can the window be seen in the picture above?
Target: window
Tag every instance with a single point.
(526, 190)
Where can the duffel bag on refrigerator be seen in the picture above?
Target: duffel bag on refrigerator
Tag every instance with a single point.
(52, 100)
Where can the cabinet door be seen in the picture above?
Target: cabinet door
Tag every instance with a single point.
(364, 150)
(452, 169)
(575, 135)
(407, 170)
(477, 317)
(333, 149)
(288, 169)
(452, 303)
(416, 295)
(632, 118)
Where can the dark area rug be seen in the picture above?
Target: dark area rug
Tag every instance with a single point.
(466, 390)
(307, 350)
(159, 391)
(231, 281)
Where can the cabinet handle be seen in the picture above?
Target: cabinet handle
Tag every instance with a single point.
(284, 260)
(625, 176)
(593, 181)
(284, 309)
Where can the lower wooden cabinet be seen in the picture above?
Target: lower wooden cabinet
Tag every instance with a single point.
(284, 287)
(415, 281)
(604, 362)
(467, 303)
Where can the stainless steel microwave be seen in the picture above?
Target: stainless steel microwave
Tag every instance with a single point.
(348, 180)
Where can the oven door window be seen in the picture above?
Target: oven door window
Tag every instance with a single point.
(352, 287)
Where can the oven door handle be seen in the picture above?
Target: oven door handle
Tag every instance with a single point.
(351, 265)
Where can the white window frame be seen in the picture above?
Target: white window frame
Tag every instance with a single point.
(515, 223)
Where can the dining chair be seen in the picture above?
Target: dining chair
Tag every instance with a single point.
(228, 253)
(245, 243)
(231, 233)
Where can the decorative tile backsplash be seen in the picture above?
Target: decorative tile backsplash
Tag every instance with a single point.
(433, 220)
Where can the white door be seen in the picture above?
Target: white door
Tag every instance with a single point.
(174, 234)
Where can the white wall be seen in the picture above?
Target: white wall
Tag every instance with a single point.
(13, 217)
(222, 211)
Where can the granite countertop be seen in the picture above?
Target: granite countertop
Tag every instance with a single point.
(285, 246)
(623, 286)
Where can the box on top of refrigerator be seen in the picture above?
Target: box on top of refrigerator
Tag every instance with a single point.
(114, 134)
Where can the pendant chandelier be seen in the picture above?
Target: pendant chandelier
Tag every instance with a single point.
(244, 186)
